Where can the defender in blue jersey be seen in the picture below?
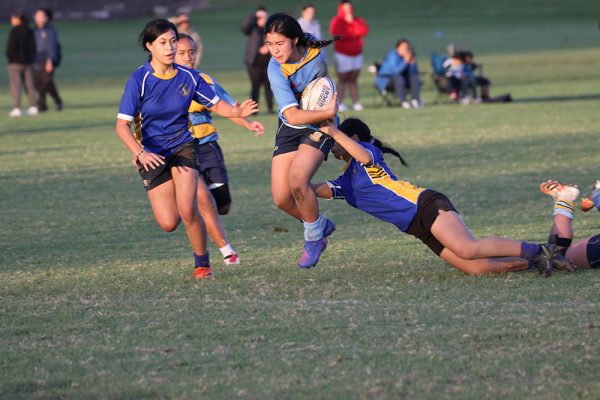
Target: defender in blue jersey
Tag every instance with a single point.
(369, 185)
(157, 97)
(213, 187)
(299, 146)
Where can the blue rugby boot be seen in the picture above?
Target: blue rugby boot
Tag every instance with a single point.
(312, 252)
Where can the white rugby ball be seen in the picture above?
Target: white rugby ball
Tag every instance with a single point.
(318, 94)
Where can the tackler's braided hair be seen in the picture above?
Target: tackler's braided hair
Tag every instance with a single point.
(354, 126)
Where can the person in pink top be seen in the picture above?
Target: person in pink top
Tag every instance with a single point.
(348, 51)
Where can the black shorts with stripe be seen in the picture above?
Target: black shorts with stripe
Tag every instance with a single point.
(288, 139)
(428, 208)
(184, 156)
(211, 164)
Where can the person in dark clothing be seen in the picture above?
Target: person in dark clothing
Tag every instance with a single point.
(47, 59)
(257, 55)
(20, 53)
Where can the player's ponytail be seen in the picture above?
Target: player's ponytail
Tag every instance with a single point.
(354, 126)
(286, 25)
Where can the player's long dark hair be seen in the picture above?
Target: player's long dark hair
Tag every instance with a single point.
(354, 126)
(154, 29)
(286, 25)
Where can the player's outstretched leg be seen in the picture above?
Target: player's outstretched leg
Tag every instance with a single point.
(593, 199)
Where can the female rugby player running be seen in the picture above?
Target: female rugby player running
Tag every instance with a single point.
(299, 146)
(584, 253)
(213, 187)
(368, 184)
(157, 96)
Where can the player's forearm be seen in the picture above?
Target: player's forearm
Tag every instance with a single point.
(124, 133)
(297, 116)
(322, 190)
(353, 148)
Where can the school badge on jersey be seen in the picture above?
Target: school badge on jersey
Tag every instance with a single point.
(184, 91)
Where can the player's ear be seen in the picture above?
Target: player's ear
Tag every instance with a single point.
(355, 138)
(148, 46)
(295, 42)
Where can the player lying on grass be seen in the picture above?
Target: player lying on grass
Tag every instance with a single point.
(213, 185)
(159, 93)
(369, 185)
(584, 253)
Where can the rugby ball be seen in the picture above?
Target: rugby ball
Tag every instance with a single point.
(318, 94)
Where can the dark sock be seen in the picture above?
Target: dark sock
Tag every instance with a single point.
(201, 260)
(529, 250)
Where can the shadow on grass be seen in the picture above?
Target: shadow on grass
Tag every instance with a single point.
(546, 99)
(50, 128)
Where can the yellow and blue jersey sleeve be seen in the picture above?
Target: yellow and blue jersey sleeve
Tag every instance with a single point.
(288, 80)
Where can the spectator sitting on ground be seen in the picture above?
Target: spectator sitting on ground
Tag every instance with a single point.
(400, 70)
(476, 80)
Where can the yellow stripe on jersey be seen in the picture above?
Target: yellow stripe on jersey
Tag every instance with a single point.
(196, 107)
(138, 127)
(207, 78)
(290, 69)
(404, 189)
(203, 130)
(166, 76)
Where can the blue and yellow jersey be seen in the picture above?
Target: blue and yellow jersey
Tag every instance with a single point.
(288, 80)
(200, 115)
(159, 106)
(375, 190)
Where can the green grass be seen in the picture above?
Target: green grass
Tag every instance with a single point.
(96, 301)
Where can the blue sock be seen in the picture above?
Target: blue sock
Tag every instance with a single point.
(529, 250)
(313, 230)
(201, 260)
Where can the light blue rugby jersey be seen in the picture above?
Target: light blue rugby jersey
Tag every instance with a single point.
(288, 80)
(159, 106)
(376, 190)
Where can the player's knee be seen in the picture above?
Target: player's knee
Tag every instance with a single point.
(222, 198)
(467, 251)
(168, 225)
(224, 210)
(188, 214)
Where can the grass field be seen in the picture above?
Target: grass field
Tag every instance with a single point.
(96, 301)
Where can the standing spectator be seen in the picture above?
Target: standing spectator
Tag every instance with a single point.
(182, 21)
(20, 52)
(47, 58)
(308, 23)
(257, 55)
(348, 51)
(400, 69)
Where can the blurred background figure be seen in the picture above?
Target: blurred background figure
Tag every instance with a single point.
(256, 56)
(398, 72)
(348, 51)
(20, 53)
(183, 23)
(308, 22)
(47, 59)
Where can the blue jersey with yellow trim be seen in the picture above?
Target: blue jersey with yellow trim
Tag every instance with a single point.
(376, 190)
(201, 116)
(288, 80)
(159, 105)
